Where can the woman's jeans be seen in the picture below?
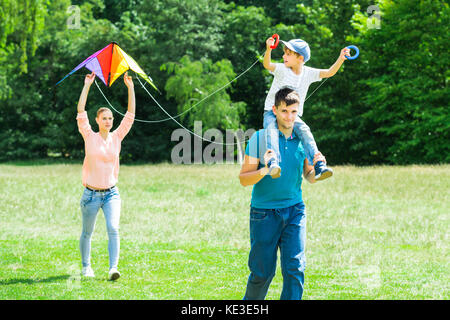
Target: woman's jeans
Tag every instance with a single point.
(271, 229)
(90, 203)
(301, 129)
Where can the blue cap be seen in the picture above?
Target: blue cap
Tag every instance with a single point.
(300, 46)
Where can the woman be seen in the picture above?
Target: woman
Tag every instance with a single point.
(100, 174)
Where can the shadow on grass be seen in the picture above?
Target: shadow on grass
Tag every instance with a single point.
(33, 281)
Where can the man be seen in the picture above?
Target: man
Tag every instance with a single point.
(277, 214)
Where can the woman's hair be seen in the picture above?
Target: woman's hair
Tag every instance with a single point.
(102, 109)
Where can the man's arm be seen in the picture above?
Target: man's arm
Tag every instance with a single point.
(308, 170)
(335, 67)
(250, 174)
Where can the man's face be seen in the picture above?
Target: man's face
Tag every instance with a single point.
(286, 115)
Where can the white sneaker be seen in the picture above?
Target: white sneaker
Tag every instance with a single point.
(114, 274)
(87, 272)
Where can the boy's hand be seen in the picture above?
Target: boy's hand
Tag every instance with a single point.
(89, 79)
(128, 80)
(270, 42)
(344, 52)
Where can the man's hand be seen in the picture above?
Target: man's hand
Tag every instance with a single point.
(319, 157)
(268, 155)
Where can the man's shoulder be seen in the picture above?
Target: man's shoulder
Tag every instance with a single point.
(257, 135)
(256, 144)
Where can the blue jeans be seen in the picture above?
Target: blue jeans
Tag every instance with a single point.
(301, 129)
(90, 204)
(271, 229)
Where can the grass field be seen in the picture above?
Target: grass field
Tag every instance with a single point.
(373, 233)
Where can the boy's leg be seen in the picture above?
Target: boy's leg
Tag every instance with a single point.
(265, 228)
(309, 144)
(271, 138)
(304, 133)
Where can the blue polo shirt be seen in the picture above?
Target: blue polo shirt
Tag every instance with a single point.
(285, 191)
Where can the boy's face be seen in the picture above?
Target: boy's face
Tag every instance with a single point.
(291, 58)
(286, 115)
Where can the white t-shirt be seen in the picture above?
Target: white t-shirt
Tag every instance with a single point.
(284, 76)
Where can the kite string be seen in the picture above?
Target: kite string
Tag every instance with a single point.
(193, 106)
(196, 104)
(192, 132)
(170, 117)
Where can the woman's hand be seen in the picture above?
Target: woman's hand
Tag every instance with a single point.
(128, 80)
(89, 79)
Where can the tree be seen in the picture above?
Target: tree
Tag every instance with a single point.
(21, 22)
(405, 87)
(194, 85)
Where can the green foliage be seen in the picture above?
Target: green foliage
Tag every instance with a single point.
(194, 81)
(388, 106)
(21, 22)
(406, 80)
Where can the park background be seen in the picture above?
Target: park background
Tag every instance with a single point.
(377, 230)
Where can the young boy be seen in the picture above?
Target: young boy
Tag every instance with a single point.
(294, 74)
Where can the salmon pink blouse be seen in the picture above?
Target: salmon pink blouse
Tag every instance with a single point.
(101, 161)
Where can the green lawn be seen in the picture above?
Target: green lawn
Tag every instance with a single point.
(373, 233)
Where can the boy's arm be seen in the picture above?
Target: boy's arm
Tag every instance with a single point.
(335, 67)
(267, 56)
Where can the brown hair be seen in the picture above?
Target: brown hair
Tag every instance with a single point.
(286, 95)
(102, 109)
(296, 53)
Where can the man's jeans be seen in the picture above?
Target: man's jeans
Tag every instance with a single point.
(270, 229)
(90, 204)
(301, 129)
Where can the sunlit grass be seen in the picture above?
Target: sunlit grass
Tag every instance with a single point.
(372, 233)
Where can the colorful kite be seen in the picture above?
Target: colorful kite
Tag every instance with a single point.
(109, 63)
